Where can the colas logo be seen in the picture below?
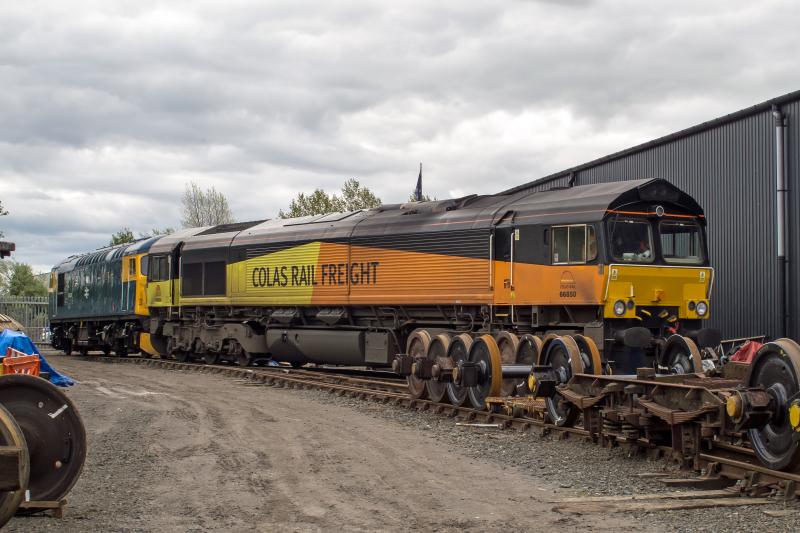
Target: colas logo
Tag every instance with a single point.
(567, 286)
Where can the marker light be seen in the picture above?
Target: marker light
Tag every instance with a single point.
(702, 308)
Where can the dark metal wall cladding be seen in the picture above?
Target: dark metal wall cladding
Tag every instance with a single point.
(730, 170)
(792, 110)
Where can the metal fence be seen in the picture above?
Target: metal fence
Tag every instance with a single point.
(31, 312)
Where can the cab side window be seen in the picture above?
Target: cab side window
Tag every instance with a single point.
(574, 244)
(158, 269)
(561, 244)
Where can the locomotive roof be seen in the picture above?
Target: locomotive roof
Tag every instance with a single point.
(167, 243)
(106, 253)
(584, 203)
(588, 203)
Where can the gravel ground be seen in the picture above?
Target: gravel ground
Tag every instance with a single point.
(177, 451)
(576, 467)
(167, 455)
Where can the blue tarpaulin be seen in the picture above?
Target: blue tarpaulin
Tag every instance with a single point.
(20, 342)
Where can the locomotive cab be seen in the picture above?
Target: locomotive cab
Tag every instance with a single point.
(657, 283)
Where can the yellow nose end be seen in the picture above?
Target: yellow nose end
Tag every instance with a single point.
(794, 415)
(733, 406)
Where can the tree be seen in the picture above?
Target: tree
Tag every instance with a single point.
(155, 232)
(121, 237)
(6, 269)
(354, 196)
(204, 208)
(24, 283)
(316, 203)
(3, 213)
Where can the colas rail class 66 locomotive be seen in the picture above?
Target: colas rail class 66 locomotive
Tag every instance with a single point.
(590, 299)
(610, 272)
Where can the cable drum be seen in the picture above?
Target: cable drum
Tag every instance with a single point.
(54, 433)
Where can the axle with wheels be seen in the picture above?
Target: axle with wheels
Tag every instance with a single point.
(692, 412)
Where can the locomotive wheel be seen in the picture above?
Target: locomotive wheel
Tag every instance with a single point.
(211, 358)
(486, 353)
(528, 349)
(563, 355)
(53, 430)
(418, 344)
(550, 337)
(11, 436)
(437, 351)
(182, 356)
(159, 343)
(681, 355)
(244, 360)
(776, 368)
(106, 350)
(590, 355)
(459, 351)
(508, 343)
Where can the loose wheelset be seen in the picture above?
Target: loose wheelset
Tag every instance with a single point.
(41, 422)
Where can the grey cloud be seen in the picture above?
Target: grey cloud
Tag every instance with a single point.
(109, 108)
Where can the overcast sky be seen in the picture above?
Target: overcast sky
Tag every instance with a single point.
(108, 108)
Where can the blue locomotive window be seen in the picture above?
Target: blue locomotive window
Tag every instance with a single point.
(60, 284)
(681, 242)
(631, 240)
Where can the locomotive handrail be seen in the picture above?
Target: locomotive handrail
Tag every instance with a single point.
(491, 260)
(511, 267)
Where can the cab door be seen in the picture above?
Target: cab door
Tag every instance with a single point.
(175, 275)
(160, 281)
(503, 245)
(128, 284)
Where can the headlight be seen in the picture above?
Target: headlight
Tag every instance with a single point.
(619, 308)
(702, 308)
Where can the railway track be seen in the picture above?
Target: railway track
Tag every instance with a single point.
(722, 465)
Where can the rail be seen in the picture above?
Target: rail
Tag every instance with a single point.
(722, 461)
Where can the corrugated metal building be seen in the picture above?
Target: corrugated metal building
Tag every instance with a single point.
(733, 166)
